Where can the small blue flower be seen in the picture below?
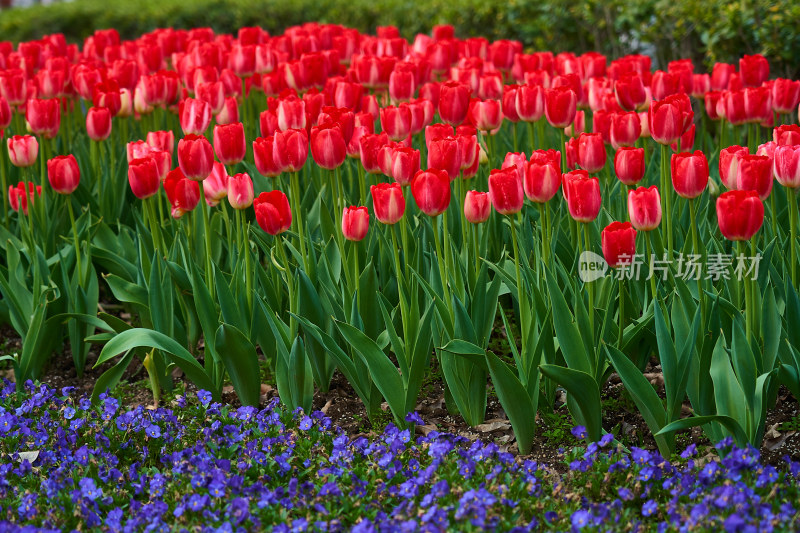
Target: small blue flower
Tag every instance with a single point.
(649, 507)
(581, 519)
(205, 397)
(579, 432)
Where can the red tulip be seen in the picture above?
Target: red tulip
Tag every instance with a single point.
(22, 150)
(402, 86)
(195, 116)
(582, 194)
(243, 60)
(183, 194)
(143, 177)
(578, 125)
(161, 140)
(13, 86)
(63, 173)
(344, 118)
(44, 116)
(734, 107)
(785, 95)
(434, 132)
(98, 123)
(508, 100)
(786, 166)
(264, 157)
(591, 152)
(291, 149)
(107, 94)
(560, 106)
(601, 123)
(505, 191)
(431, 190)
(348, 94)
(530, 102)
(629, 165)
(453, 102)
(405, 165)
(721, 75)
(396, 122)
(355, 223)
(757, 106)
(327, 146)
(517, 161)
(701, 84)
(665, 121)
(712, 104)
(213, 93)
(571, 152)
(786, 135)
(388, 202)
(485, 114)
(542, 175)
(20, 196)
(644, 208)
(729, 164)
(618, 241)
(273, 213)
(215, 186)
(626, 128)
(754, 173)
(445, 154)
(686, 140)
(229, 113)
(477, 207)
(5, 113)
(195, 157)
(689, 173)
(740, 214)
(664, 84)
(370, 146)
(754, 70)
(240, 191)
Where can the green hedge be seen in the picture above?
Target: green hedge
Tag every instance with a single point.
(706, 31)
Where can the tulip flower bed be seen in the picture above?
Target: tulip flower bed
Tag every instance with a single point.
(325, 203)
(201, 465)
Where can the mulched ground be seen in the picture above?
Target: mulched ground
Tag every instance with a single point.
(342, 405)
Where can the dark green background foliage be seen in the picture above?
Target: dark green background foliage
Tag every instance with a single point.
(706, 31)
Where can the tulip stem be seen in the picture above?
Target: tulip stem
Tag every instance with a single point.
(792, 233)
(207, 235)
(774, 214)
(652, 259)
(362, 184)
(448, 260)
(520, 290)
(4, 185)
(621, 311)
(400, 285)
(696, 248)
(75, 237)
(281, 246)
(543, 227)
(244, 229)
(298, 215)
(531, 135)
(589, 286)
(562, 148)
(667, 198)
(356, 275)
(404, 237)
(748, 297)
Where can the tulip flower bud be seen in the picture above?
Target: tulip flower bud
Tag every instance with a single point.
(630, 92)
(388, 202)
(369, 147)
(44, 116)
(445, 154)
(213, 93)
(591, 152)
(195, 116)
(5, 113)
(618, 241)
(263, 154)
(355, 223)
(22, 150)
(161, 140)
(229, 114)
(328, 147)
(740, 214)
(560, 106)
(453, 102)
(98, 123)
(290, 149)
(754, 70)
(195, 157)
(625, 129)
(22, 195)
(644, 208)
(754, 173)
(273, 213)
(582, 194)
(505, 190)
(786, 135)
(689, 173)
(485, 115)
(477, 207)
(229, 143)
(183, 194)
(396, 122)
(786, 166)
(215, 186)
(431, 190)
(785, 95)
(405, 165)
(542, 175)
(530, 102)
(240, 191)
(629, 165)
(729, 164)
(143, 177)
(291, 114)
(63, 173)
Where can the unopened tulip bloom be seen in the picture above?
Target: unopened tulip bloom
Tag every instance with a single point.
(22, 150)
(757, 107)
(786, 135)
(291, 113)
(215, 186)
(212, 92)
(505, 190)
(5, 113)
(161, 140)
(644, 208)
(582, 194)
(229, 143)
(195, 157)
(445, 154)
(240, 191)
(291, 149)
(143, 177)
(405, 165)
(740, 214)
(183, 194)
(712, 101)
(401, 85)
(665, 121)
(431, 190)
(434, 132)
(542, 175)
(754, 70)
(396, 122)
(591, 152)
(729, 164)
(98, 123)
(273, 213)
(229, 114)
(370, 146)
(785, 95)
(626, 128)
(689, 173)
(44, 116)
(530, 102)
(754, 173)
(485, 114)
(477, 207)
(195, 116)
(453, 102)
(560, 106)
(355, 223)
(786, 166)
(630, 92)
(22, 195)
(63, 173)
(629, 165)
(264, 157)
(618, 241)
(327, 146)
(388, 202)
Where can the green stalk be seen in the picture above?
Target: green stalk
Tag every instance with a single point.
(4, 185)
(651, 259)
(563, 150)
(244, 228)
(362, 184)
(400, 289)
(356, 275)
(75, 237)
(448, 260)
(696, 248)
(207, 234)
(793, 233)
(289, 284)
(531, 135)
(621, 311)
(589, 285)
(298, 216)
(150, 366)
(521, 301)
(773, 214)
(748, 298)
(666, 198)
